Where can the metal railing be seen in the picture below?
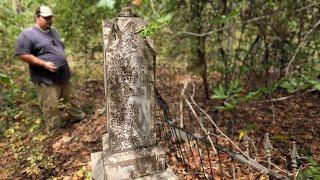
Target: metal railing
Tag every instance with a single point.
(195, 156)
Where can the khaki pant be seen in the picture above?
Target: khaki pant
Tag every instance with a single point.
(57, 106)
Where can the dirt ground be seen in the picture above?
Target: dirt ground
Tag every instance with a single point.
(294, 119)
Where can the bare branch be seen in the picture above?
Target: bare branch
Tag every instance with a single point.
(181, 108)
(306, 7)
(197, 117)
(240, 157)
(269, 15)
(152, 7)
(283, 98)
(202, 34)
(218, 129)
(300, 45)
(247, 21)
(278, 168)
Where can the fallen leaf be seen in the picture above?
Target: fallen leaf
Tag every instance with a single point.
(136, 2)
(3, 175)
(64, 139)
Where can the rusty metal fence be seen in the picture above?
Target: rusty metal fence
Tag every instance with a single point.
(198, 156)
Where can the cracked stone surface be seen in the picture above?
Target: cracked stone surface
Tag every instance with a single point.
(129, 147)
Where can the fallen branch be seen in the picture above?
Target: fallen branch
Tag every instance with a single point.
(248, 159)
(284, 98)
(239, 157)
(181, 109)
(277, 167)
(197, 117)
(217, 128)
(243, 157)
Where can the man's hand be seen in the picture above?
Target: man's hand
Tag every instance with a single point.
(50, 66)
(32, 60)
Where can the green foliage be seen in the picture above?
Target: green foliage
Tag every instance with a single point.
(229, 95)
(311, 172)
(232, 96)
(106, 3)
(83, 173)
(290, 86)
(182, 31)
(11, 24)
(27, 141)
(225, 18)
(37, 161)
(156, 25)
(79, 24)
(303, 82)
(280, 137)
(219, 93)
(233, 91)
(249, 127)
(4, 79)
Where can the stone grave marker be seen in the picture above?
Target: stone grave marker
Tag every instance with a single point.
(129, 146)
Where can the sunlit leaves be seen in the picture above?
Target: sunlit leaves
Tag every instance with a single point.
(83, 173)
(312, 171)
(294, 84)
(219, 93)
(290, 86)
(136, 2)
(227, 105)
(106, 3)
(37, 161)
(229, 95)
(164, 19)
(4, 79)
(226, 93)
(241, 134)
(225, 18)
(155, 25)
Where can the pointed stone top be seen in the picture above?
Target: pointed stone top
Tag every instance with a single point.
(246, 138)
(267, 145)
(294, 153)
(126, 12)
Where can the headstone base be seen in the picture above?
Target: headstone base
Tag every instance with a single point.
(166, 175)
(97, 166)
(142, 164)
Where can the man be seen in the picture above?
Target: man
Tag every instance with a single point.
(40, 46)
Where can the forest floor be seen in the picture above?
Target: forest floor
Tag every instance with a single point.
(66, 154)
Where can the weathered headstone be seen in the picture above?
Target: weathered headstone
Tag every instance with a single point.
(129, 147)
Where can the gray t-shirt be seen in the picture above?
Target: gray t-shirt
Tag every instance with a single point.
(48, 47)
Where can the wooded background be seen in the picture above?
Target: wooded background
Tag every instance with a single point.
(241, 50)
(254, 46)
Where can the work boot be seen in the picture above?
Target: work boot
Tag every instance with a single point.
(53, 123)
(75, 113)
(72, 117)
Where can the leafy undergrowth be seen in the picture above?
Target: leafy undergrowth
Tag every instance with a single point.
(28, 152)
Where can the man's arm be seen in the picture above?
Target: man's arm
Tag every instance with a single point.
(33, 60)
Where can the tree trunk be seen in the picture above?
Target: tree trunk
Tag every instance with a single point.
(201, 56)
(15, 6)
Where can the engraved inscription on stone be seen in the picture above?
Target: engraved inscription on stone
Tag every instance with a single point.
(129, 66)
(129, 147)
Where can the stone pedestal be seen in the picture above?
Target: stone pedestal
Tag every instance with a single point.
(129, 147)
(134, 164)
(145, 166)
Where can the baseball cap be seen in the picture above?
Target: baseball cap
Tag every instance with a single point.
(44, 11)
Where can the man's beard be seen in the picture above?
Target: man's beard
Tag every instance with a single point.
(48, 26)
